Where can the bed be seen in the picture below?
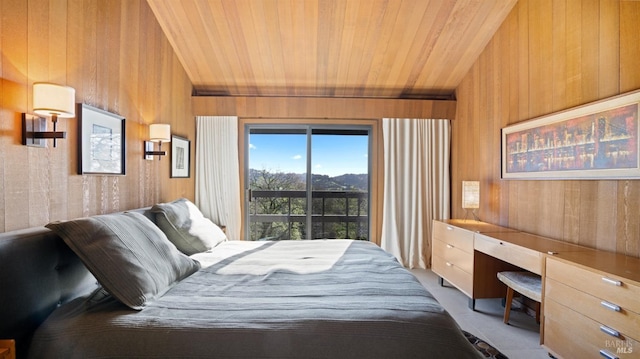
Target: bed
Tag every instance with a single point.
(237, 299)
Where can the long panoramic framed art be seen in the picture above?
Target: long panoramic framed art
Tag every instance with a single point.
(594, 141)
(101, 140)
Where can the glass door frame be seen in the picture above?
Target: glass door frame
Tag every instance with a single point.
(309, 128)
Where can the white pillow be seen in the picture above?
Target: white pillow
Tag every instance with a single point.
(186, 227)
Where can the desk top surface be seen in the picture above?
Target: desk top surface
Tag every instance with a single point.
(477, 226)
(537, 243)
(614, 263)
(609, 262)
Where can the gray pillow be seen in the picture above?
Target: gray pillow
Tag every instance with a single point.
(187, 227)
(130, 257)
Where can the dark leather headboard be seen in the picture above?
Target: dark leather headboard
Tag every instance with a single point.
(38, 273)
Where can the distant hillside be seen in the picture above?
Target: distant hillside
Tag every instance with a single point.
(350, 181)
(345, 182)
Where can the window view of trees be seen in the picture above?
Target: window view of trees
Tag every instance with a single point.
(272, 205)
(279, 206)
(288, 203)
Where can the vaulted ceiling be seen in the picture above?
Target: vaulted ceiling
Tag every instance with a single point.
(329, 48)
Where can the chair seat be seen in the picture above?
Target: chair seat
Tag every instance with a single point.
(525, 283)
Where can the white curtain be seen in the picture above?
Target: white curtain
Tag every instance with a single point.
(218, 172)
(416, 186)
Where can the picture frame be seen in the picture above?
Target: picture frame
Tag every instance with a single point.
(599, 140)
(180, 157)
(101, 141)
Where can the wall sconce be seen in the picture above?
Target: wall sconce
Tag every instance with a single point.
(158, 132)
(470, 197)
(48, 100)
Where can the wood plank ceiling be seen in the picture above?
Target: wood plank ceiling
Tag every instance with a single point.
(329, 48)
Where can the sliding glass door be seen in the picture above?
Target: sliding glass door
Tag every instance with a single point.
(307, 182)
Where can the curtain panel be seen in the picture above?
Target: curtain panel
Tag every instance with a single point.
(416, 186)
(218, 172)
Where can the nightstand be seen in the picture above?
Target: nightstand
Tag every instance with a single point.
(7, 349)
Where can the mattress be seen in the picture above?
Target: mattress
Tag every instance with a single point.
(280, 299)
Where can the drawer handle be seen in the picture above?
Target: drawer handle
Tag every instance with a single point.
(610, 331)
(449, 246)
(610, 306)
(608, 354)
(448, 264)
(612, 281)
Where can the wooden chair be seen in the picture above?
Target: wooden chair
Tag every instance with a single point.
(526, 283)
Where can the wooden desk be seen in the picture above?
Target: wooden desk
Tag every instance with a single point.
(469, 254)
(590, 298)
(521, 249)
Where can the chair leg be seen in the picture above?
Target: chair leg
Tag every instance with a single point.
(507, 305)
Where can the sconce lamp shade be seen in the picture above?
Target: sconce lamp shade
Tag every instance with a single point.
(470, 194)
(51, 99)
(159, 132)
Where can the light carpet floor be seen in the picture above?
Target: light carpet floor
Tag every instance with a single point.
(518, 340)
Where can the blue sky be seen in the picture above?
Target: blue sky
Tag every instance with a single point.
(331, 154)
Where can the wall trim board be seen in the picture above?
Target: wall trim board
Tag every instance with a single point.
(322, 107)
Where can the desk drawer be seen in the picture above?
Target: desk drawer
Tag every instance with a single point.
(599, 285)
(453, 274)
(522, 257)
(454, 236)
(573, 335)
(590, 306)
(453, 255)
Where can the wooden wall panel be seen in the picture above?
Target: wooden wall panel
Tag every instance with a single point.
(117, 58)
(2, 123)
(629, 31)
(14, 90)
(546, 57)
(325, 107)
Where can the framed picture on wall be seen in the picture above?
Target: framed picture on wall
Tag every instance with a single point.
(180, 157)
(101, 141)
(599, 140)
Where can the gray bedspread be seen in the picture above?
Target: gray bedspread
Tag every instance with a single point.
(288, 299)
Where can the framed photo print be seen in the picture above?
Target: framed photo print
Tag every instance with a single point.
(180, 157)
(599, 140)
(101, 139)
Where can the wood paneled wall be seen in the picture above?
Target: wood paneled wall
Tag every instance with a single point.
(117, 58)
(550, 55)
